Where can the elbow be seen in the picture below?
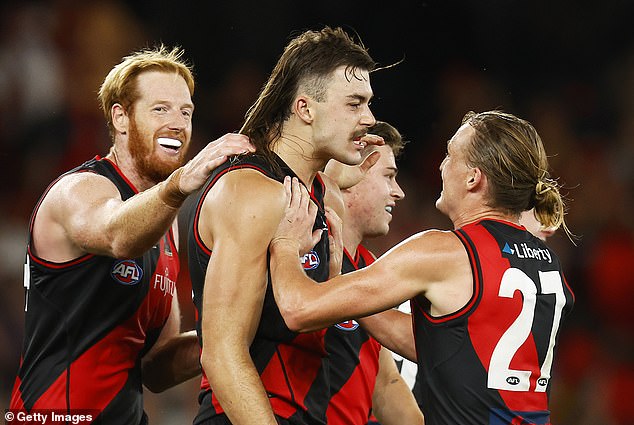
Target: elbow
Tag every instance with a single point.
(297, 319)
(126, 249)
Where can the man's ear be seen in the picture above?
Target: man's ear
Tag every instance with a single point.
(476, 179)
(301, 108)
(120, 118)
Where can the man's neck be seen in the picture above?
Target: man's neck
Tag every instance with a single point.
(351, 239)
(126, 165)
(299, 154)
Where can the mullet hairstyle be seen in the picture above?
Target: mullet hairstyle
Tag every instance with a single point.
(307, 63)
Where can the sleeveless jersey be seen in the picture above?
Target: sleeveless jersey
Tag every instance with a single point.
(89, 321)
(354, 361)
(289, 363)
(490, 362)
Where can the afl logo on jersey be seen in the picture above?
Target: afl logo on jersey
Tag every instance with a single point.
(127, 272)
(310, 261)
(348, 325)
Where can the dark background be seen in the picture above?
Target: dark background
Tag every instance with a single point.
(566, 66)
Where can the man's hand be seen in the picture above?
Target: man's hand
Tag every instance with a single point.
(348, 175)
(196, 171)
(299, 217)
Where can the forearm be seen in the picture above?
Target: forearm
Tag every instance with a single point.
(393, 329)
(177, 361)
(238, 387)
(143, 219)
(392, 401)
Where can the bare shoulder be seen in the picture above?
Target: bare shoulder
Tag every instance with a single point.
(245, 189)
(240, 200)
(433, 241)
(78, 186)
(433, 253)
(66, 210)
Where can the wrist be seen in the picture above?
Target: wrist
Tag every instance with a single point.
(169, 191)
(284, 244)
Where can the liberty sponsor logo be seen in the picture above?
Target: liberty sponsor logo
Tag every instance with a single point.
(310, 261)
(348, 325)
(163, 283)
(525, 251)
(126, 272)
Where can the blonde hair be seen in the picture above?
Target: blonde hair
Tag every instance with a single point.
(511, 154)
(120, 84)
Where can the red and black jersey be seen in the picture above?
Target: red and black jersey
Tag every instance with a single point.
(89, 321)
(490, 362)
(354, 361)
(289, 363)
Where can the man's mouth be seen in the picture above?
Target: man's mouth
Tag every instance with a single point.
(169, 143)
(357, 141)
(389, 208)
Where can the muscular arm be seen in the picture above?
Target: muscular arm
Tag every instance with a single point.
(239, 218)
(392, 401)
(308, 306)
(84, 212)
(393, 329)
(431, 264)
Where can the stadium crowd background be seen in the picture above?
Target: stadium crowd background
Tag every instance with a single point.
(566, 66)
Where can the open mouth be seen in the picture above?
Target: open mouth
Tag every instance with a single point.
(358, 142)
(169, 143)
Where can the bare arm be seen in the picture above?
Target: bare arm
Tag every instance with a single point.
(239, 217)
(392, 401)
(308, 306)
(393, 329)
(431, 264)
(84, 212)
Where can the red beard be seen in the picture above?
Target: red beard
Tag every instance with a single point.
(146, 161)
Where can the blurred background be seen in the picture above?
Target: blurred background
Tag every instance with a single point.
(566, 66)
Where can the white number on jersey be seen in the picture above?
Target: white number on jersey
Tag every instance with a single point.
(501, 376)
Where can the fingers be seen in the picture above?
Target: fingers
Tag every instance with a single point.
(335, 240)
(335, 223)
(230, 144)
(369, 161)
(299, 197)
(298, 220)
(373, 139)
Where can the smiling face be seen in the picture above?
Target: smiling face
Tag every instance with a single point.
(343, 116)
(369, 204)
(160, 124)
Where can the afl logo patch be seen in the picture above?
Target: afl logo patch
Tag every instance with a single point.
(310, 261)
(348, 325)
(127, 272)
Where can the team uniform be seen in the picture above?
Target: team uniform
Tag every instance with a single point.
(490, 362)
(354, 361)
(289, 363)
(89, 321)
